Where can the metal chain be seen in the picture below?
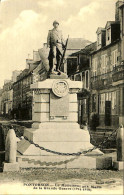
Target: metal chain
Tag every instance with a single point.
(44, 163)
(71, 154)
(114, 131)
(58, 153)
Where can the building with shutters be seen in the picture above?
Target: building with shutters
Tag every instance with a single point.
(22, 94)
(78, 69)
(107, 73)
(6, 99)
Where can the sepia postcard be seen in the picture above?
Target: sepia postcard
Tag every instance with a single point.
(61, 97)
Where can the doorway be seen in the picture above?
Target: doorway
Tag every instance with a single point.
(107, 113)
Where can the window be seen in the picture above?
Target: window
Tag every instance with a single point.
(93, 103)
(114, 100)
(94, 68)
(111, 96)
(85, 106)
(108, 34)
(104, 63)
(114, 58)
(108, 96)
(102, 104)
(87, 79)
(99, 39)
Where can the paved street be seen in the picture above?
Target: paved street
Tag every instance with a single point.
(53, 174)
(100, 179)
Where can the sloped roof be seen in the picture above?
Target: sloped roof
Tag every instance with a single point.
(87, 50)
(77, 43)
(99, 29)
(111, 22)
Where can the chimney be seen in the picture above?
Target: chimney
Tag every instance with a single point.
(117, 10)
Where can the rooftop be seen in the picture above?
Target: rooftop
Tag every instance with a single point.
(77, 43)
(87, 50)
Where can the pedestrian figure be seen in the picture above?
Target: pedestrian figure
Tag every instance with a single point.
(56, 44)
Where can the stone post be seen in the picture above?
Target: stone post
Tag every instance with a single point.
(119, 164)
(120, 144)
(10, 152)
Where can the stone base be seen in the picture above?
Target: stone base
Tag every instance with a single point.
(58, 137)
(7, 167)
(58, 76)
(118, 165)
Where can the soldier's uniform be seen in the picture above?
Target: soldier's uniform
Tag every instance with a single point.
(55, 42)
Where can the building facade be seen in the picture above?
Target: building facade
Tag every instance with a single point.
(7, 99)
(107, 73)
(22, 94)
(78, 69)
(74, 45)
(22, 100)
(1, 110)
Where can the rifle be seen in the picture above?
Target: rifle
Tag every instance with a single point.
(63, 55)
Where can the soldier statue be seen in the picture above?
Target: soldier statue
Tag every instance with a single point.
(56, 44)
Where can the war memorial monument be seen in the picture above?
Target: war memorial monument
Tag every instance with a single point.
(55, 125)
(55, 138)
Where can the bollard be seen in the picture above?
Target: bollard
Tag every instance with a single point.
(120, 144)
(10, 163)
(10, 147)
(119, 164)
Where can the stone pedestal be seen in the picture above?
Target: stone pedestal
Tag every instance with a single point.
(55, 127)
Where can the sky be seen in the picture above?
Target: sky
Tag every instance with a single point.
(24, 26)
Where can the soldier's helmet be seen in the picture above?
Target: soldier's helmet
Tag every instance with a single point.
(55, 22)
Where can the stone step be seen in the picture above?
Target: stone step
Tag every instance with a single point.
(65, 162)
